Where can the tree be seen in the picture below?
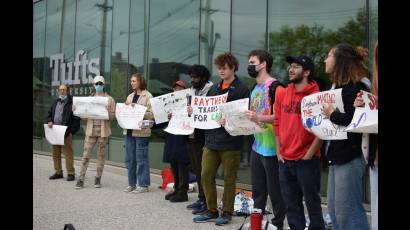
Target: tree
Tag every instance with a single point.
(314, 42)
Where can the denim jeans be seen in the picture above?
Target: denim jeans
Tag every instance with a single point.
(136, 154)
(344, 194)
(301, 179)
(374, 194)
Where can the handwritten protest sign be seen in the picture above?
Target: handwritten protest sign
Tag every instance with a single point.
(55, 135)
(365, 119)
(164, 104)
(312, 118)
(180, 123)
(128, 116)
(91, 107)
(236, 122)
(205, 111)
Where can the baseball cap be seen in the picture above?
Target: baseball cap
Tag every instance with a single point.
(304, 61)
(98, 79)
(179, 83)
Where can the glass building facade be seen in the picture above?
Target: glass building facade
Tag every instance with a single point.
(73, 40)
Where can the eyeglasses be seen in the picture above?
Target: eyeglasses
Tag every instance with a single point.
(294, 67)
(99, 83)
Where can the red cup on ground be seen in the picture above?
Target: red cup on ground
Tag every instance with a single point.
(256, 219)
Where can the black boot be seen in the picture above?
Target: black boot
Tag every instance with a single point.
(179, 197)
(170, 195)
(56, 176)
(174, 168)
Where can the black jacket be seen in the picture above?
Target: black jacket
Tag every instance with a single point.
(219, 139)
(343, 151)
(72, 122)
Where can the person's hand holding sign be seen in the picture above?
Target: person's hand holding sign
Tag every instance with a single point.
(327, 110)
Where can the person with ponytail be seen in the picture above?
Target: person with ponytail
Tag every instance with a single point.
(371, 145)
(347, 68)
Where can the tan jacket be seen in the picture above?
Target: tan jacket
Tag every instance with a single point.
(142, 100)
(105, 124)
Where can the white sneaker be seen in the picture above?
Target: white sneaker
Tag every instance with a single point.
(140, 189)
(129, 189)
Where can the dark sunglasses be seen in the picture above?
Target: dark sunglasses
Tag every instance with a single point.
(99, 83)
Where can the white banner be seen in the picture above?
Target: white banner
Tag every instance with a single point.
(205, 111)
(366, 119)
(180, 123)
(91, 107)
(55, 135)
(164, 104)
(312, 118)
(129, 116)
(236, 122)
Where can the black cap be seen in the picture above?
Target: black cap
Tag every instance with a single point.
(304, 61)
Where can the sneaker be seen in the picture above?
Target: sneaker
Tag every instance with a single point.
(70, 177)
(80, 184)
(206, 217)
(179, 197)
(97, 182)
(201, 210)
(225, 218)
(56, 176)
(140, 189)
(129, 189)
(170, 195)
(195, 205)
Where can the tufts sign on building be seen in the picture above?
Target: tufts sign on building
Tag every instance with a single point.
(78, 74)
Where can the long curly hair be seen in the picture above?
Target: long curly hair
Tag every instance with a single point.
(350, 64)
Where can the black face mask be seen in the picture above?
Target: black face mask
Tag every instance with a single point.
(252, 71)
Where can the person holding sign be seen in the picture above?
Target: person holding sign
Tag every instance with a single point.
(97, 131)
(136, 141)
(346, 66)
(200, 86)
(372, 145)
(264, 163)
(176, 153)
(220, 147)
(61, 113)
(297, 149)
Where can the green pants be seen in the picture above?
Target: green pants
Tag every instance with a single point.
(211, 159)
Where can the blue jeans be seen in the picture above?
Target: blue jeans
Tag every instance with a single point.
(301, 179)
(136, 154)
(374, 194)
(344, 194)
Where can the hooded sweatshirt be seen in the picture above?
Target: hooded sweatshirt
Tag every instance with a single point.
(295, 140)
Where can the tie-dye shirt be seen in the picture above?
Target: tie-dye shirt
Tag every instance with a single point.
(264, 143)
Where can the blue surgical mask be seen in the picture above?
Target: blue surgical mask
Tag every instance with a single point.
(63, 97)
(98, 88)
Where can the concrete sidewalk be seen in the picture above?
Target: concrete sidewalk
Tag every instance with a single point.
(57, 202)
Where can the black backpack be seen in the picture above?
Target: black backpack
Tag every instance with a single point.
(272, 90)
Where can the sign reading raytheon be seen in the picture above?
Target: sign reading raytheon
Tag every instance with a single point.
(62, 73)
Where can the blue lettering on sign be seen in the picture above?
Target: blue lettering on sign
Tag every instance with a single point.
(313, 121)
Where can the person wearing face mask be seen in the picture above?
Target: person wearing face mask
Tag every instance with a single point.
(97, 131)
(61, 113)
(264, 163)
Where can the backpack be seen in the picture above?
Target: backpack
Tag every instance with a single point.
(272, 90)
